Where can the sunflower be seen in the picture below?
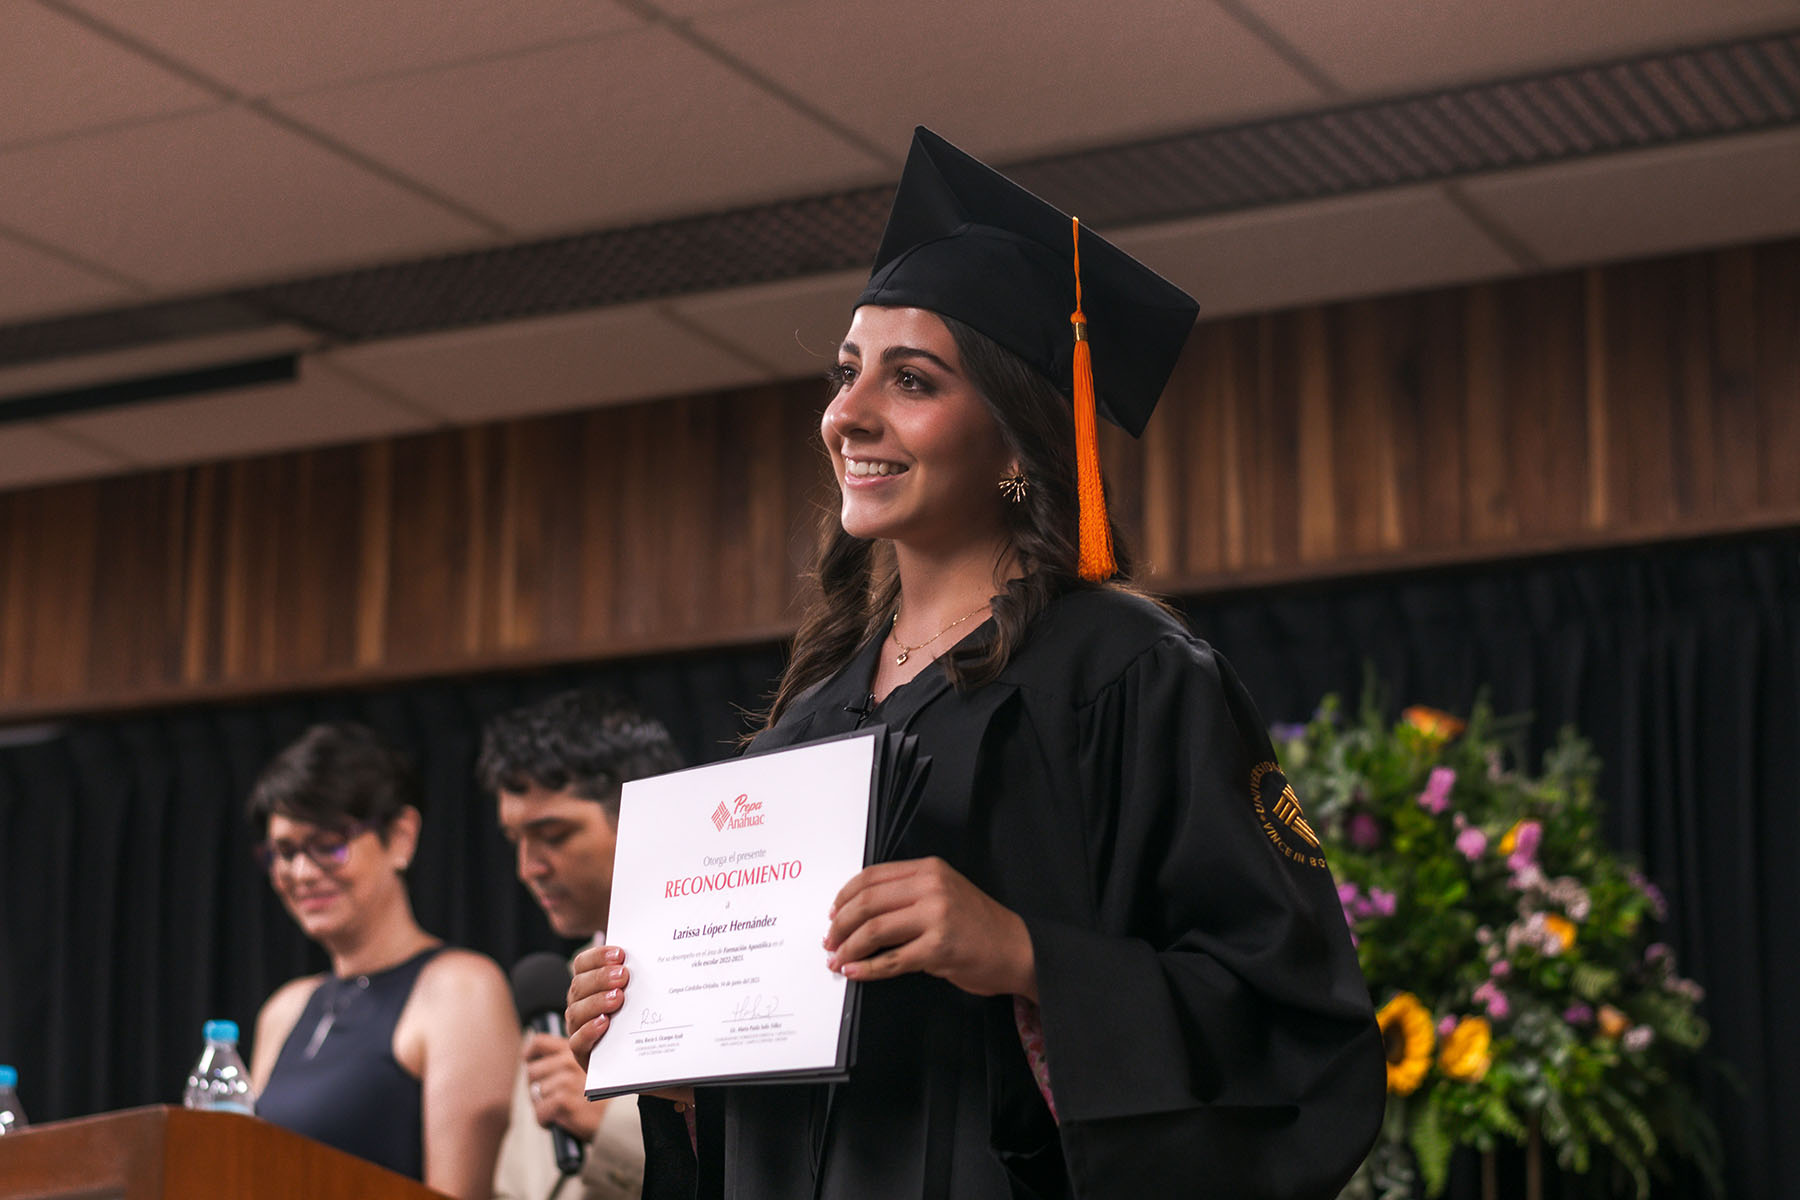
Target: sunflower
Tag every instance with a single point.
(1465, 1054)
(1435, 724)
(1407, 1036)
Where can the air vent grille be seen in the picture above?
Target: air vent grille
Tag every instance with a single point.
(1654, 100)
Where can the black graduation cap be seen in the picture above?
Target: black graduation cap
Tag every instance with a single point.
(965, 241)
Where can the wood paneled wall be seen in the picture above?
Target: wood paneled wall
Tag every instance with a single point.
(1627, 403)
(1617, 404)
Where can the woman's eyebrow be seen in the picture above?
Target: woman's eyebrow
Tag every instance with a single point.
(896, 353)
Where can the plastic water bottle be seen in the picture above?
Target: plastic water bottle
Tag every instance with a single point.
(12, 1113)
(219, 1081)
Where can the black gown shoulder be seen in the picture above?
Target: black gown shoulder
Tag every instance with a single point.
(1207, 1027)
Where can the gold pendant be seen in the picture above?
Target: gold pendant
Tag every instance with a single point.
(900, 659)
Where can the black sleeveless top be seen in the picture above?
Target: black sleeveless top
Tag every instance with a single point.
(337, 1080)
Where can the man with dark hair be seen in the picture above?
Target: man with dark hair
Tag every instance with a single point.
(556, 769)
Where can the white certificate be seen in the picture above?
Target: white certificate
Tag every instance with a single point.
(722, 883)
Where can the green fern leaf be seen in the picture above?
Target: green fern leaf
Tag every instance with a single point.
(1432, 1145)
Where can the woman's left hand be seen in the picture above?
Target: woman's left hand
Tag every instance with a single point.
(921, 915)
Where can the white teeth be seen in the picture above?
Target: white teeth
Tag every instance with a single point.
(861, 467)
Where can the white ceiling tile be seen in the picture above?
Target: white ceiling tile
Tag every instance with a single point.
(633, 127)
(1366, 245)
(1007, 78)
(794, 326)
(39, 285)
(267, 47)
(321, 407)
(575, 360)
(1405, 45)
(31, 455)
(57, 77)
(215, 198)
(1651, 202)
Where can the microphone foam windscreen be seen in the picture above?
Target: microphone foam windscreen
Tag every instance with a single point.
(540, 984)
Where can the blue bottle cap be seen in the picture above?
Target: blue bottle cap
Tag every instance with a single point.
(220, 1031)
(9, 1077)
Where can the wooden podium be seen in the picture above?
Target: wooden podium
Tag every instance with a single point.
(166, 1153)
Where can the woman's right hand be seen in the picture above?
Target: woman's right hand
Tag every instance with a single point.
(595, 993)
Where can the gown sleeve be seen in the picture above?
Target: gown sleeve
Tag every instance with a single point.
(1209, 1031)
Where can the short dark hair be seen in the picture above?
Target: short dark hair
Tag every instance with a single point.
(338, 773)
(585, 742)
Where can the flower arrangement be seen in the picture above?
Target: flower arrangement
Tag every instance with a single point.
(1519, 991)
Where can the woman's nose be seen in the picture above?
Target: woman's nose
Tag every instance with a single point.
(301, 866)
(850, 410)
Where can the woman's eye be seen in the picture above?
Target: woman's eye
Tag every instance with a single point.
(841, 376)
(910, 378)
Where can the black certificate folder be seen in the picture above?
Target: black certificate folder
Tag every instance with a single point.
(722, 882)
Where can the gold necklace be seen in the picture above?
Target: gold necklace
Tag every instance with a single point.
(906, 650)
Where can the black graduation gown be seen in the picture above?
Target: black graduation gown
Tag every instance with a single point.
(1207, 1029)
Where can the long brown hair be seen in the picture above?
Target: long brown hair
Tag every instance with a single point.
(856, 583)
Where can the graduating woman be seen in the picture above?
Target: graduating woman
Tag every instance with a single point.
(1109, 959)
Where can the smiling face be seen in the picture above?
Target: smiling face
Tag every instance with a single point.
(564, 845)
(917, 453)
(336, 900)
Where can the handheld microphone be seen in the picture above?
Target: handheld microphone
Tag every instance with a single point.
(540, 986)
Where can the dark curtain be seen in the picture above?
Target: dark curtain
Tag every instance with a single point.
(131, 911)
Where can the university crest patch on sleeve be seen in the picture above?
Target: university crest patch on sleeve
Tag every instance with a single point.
(1278, 812)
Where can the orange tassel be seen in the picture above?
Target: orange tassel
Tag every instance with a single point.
(1094, 548)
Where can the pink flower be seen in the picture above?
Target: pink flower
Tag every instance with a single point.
(1527, 878)
(1659, 904)
(1501, 969)
(1347, 894)
(1525, 846)
(1436, 796)
(1364, 831)
(1446, 1027)
(1578, 1014)
(1490, 997)
(1472, 842)
(1381, 902)
(1687, 989)
(1638, 1038)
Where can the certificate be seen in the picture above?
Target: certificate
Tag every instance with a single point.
(722, 882)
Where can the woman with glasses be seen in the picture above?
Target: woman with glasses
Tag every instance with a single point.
(403, 1052)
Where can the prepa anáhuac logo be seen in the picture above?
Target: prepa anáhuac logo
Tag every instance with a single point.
(741, 813)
